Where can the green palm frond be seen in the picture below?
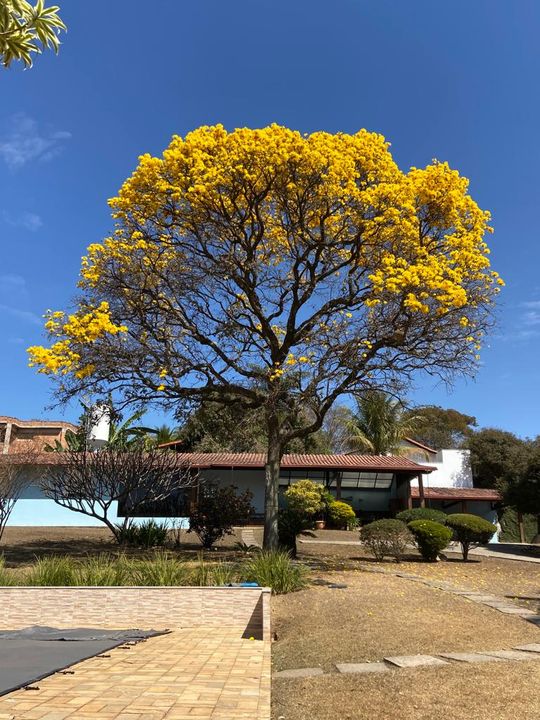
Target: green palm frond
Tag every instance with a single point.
(379, 426)
(26, 30)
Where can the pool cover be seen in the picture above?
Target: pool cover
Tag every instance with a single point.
(30, 654)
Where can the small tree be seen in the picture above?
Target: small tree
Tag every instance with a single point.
(15, 475)
(470, 531)
(218, 509)
(94, 483)
(27, 29)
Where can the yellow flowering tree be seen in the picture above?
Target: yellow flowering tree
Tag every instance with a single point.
(279, 271)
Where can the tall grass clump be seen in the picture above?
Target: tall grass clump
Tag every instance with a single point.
(102, 570)
(7, 577)
(275, 569)
(54, 570)
(161, 569)
(223, 573)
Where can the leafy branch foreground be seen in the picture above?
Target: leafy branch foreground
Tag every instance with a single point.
(267, 569)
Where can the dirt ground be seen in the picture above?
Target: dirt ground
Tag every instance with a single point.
(379, 615)
(22, 545)
(495, 691)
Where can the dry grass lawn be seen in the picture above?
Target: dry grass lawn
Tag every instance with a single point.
(495, 691)
(22, 545)
(514, 578)
(379, 615)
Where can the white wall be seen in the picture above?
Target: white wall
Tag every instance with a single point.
(453, 470)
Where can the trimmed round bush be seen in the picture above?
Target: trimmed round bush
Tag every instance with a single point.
(340, 515)
(386, 538)
(421, 513)
(470, 530)
(431, 537)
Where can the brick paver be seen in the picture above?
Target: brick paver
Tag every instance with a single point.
(202, 672)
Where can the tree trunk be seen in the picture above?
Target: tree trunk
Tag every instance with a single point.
(271, 502)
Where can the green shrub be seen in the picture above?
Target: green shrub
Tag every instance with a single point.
(305, 501)
(431, 537)
(148, 534)
(386, 538)
(307, 498)
(218, 509)
(420, 513)
(152, 534)
(54, 570)
(127, 534)
(274, 569)
(341, 515)
(470, 530)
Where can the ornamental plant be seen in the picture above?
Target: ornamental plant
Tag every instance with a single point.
(386, 537)
(341, 515)
(304, 501)
(420, 513)
(431, 537)
(217, 510)
(274, 270)
(470, 531)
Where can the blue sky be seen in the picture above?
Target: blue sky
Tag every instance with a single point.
(454, 81)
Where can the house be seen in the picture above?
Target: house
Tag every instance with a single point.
(375, 485)
(17, 436)
(449, 487)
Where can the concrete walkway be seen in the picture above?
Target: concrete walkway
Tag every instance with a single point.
(519, 653)
(211, 673)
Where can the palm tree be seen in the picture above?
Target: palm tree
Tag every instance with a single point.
(163, 434)
(379, 427)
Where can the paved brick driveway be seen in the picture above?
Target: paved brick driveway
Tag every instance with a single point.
(190, 673)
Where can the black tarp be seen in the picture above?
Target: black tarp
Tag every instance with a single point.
(30, 654)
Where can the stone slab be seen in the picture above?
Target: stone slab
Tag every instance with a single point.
(413, 661)
(299, 673)
(521, 612)
(361, 668)
(532, 647)
(470, 657)
(512, 655)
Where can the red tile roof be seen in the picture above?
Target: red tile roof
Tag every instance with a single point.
(438, 493)
(308, 460)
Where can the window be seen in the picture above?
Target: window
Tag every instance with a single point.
(289, 477)
(364, 480)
